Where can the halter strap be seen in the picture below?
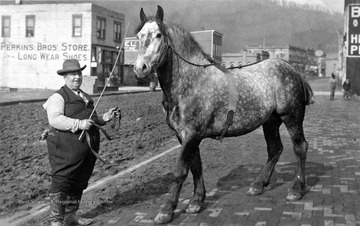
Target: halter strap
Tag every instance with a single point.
(181, 57)
(198, 65)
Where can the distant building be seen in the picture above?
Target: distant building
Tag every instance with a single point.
(210, 41)
(331, 64)
(232, 59)
(302, 59)
(246, 56)
(37, 38)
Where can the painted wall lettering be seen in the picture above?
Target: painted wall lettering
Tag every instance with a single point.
(46, 47)
(27, 56)
(16, 47)
(74, 47)
(47, 56)
(80, 57)
(46, 51)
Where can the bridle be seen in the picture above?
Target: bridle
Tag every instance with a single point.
(168, 46)
(160, 60)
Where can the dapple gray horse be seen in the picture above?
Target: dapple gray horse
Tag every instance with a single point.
(204, 100)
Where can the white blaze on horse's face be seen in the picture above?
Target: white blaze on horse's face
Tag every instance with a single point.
(150, 51)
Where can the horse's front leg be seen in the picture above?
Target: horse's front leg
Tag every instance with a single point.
(197, 201)
(182, 168)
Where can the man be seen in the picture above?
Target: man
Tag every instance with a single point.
(332, 82)
(71, 159)
(346, 87)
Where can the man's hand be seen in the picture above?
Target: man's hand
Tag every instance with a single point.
(107, 117)
(85, 124)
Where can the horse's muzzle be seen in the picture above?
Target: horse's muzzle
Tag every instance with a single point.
(141, 69)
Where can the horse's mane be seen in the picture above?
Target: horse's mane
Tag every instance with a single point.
(188, 38)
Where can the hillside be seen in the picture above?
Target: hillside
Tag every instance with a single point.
(242, 22)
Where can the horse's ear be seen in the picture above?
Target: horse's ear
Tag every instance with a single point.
(159, 14)
(143, 17)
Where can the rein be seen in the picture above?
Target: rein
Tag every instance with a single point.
(111, 74)
(198, 65)
(167, 46)
(115, 125)
(241, 66)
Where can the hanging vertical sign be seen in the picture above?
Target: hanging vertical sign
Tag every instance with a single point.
(354, 31)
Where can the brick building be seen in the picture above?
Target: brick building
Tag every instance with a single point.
(210, 41)
(37, 38)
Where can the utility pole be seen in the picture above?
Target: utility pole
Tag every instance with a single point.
(263, 45)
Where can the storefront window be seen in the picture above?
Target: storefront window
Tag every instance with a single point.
(107, 57)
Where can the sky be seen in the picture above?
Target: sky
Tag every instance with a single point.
(335, 5)
(332, 5)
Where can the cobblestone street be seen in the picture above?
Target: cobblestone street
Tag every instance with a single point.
(333, 175)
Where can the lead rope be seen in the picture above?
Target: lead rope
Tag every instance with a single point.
(111, 74)
(88, 138)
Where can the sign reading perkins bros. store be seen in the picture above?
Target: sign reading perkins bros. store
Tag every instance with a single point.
(46, 51)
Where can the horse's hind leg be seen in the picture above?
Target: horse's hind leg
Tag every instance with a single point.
(189, 149)
(197, 201)
(295, 128)
(274, 149)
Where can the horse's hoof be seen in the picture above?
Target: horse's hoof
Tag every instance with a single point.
(191, 209)
(163, 218)
(255, 191)
(293, 196)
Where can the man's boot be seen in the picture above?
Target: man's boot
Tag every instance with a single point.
(72, 206)
(57, 208)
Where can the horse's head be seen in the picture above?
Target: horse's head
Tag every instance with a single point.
(153, 44)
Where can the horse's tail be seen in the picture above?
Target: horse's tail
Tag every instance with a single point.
(308, 92)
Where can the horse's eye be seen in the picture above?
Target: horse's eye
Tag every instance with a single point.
(158, 35)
